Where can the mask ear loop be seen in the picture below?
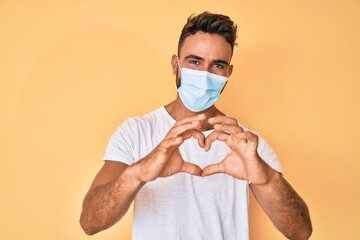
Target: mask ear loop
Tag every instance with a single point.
(178, 65)
(227, 79)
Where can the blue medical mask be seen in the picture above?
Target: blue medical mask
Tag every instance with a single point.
(200, 90)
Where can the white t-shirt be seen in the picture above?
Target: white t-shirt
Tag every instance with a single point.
(183, 206)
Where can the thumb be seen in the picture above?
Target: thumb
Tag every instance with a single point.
(213, 169)
(191, 169)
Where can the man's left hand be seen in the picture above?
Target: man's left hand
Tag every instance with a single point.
(243, 161)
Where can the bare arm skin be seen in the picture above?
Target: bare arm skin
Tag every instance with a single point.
(110, 196)
(284, 206)
(278, 199)
(116, 185)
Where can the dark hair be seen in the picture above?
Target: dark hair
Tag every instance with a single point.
(209, 23)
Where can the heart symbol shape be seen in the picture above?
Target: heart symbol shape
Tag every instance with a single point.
(242, 160)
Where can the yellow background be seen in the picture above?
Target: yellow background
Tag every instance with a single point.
(72, 71)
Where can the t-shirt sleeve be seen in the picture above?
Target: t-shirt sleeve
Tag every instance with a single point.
(121, 145)
(266, 153)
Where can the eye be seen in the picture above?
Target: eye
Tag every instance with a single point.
(194, 62)
(219, 66)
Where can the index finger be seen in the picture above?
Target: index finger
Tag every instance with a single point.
(195, 134)
(222, 119)
(199, 117)
(215, 135)
(186, 124)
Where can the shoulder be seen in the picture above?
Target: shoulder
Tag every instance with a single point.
(144, 119)
(145, 122)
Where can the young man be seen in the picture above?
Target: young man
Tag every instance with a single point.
(187, 165)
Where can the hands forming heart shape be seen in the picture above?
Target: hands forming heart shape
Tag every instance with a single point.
(241, 162)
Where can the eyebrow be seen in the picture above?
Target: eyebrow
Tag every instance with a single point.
(221, 61)
(192, 56)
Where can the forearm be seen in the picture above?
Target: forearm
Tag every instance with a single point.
(106, 204)
(284, 206)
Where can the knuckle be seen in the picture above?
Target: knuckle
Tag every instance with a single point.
(162, 148)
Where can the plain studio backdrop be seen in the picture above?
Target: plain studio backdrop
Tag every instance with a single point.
(72, 71)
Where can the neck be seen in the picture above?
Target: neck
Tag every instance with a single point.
(178, 111)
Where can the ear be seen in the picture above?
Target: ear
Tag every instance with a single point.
(174, 63)
(230, 69)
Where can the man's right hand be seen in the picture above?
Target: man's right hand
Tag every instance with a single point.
(165, 160)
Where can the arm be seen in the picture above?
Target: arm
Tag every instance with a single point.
(279, 200)
(284, 206)
(109, 197)
(116, 185)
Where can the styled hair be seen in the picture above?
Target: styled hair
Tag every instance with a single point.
(209, 23)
